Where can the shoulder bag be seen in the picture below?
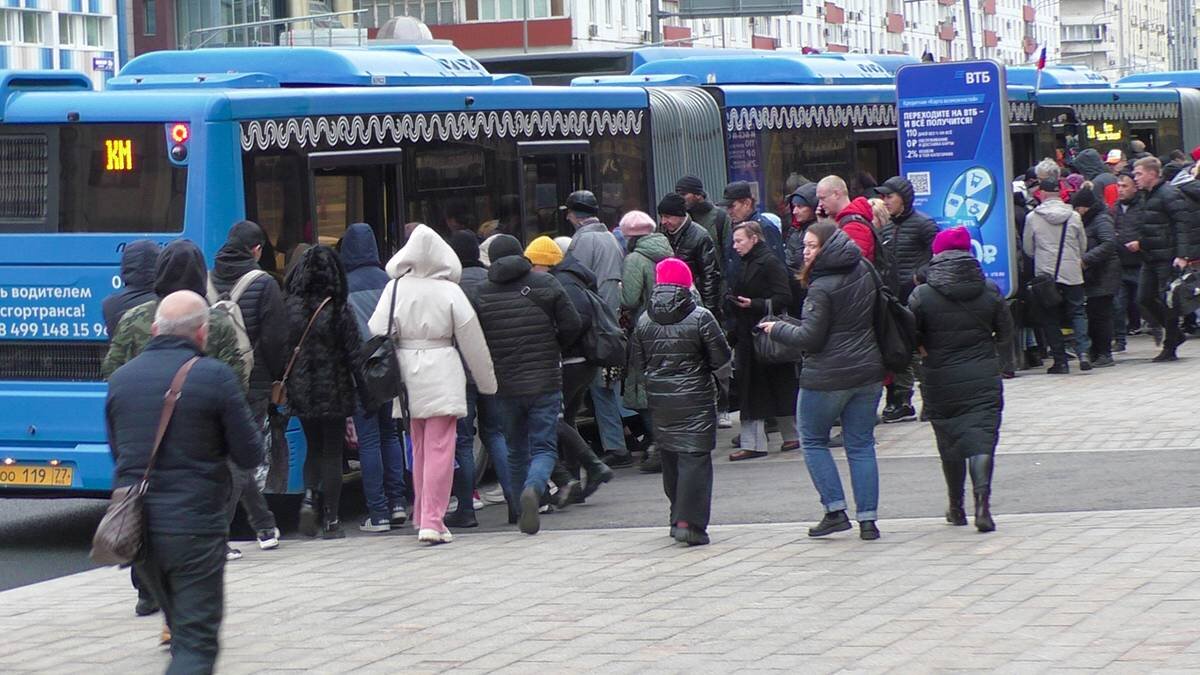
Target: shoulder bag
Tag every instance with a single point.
(1043, 288)
(769, 350)
(122, 531)
(378, 365)
(279, 387)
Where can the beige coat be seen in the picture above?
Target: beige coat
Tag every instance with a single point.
(432, 315)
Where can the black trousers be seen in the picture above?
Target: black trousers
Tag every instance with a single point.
(687, 482)
(577, 377)
(245, 488)
(1100, 324)
(1152, 284)
(326, 438)
(573, 452)
(186, 575)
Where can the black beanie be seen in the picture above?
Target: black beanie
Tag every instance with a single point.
(503, 246)
(672, 205)
(1083, 197)
(466, 247)
(689, 185)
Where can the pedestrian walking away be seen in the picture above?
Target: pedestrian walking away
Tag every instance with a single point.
(187, 529)
(682, 350)
(961, 320)
(324, 341)
(842, 374)
(1101, 274)
(436, 331)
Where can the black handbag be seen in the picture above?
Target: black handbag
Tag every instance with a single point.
(120, 535)
(769, 350)
(1043, 288)
(379, 367)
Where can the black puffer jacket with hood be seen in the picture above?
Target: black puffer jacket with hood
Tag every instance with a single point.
(681, 348)
(909, 237)
(576, 280)
(960, 320)
(837, 326)
(137, 279)
(527, 320)
(1166, 213)
(1187, 244)
(321, 384)
(261, 305)
(1092, 167)
(693, 246)
(1101, 265)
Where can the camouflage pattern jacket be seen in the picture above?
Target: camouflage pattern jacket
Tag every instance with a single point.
(133, 334)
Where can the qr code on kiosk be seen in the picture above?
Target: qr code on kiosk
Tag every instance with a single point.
(921, 183)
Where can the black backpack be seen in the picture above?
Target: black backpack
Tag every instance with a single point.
(895, 327)
(604, 343)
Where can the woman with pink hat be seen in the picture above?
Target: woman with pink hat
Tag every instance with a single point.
(962, 319)
(681, 348)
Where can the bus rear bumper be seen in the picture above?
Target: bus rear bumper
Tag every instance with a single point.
(41, 471)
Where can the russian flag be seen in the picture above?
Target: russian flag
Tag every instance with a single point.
(1042, 59)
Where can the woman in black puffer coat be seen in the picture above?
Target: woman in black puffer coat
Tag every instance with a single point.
(961, 319)
(680, 348)
(320, 386)
(842, 373)
(1101, 273)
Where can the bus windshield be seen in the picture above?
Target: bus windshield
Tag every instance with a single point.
(89, 178)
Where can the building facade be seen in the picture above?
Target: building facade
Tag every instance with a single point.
(83, 35)
(1010, 31)
(1182, 44)
(1119, 37)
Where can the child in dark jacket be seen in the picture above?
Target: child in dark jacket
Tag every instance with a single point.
(681, 349)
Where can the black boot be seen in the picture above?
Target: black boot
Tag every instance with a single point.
(331, 527)
(834, 521)
(308, 514)
(955, 472)
(981, 478)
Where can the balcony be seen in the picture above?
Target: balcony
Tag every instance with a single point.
(990, 39)
(834, 14)
(895, 23)
(946, 31)
(988, 7)
(947, 3)
(841, 49)
(1030, 45)
(1028, 13)
(552, 32)
(763, 42)
(677, 36)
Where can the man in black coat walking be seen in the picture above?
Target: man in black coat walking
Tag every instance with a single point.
(1162, 241)
(1127, 216)
(693, 246)
(908, 239)
(187, 528)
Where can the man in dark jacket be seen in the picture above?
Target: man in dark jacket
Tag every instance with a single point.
(137, 282)
(1101, 273)
(261, 304)
(1162, 237)
(908, 237)
(379, 450)
(528, 320)
(1127, 216)
(693, 246)
(704, 213)
(185, 508)
(738, 201)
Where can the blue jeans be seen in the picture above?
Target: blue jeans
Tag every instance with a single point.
(382, 458)
(1125, 304)
(491, 432)
(608, 415)
(1074, 299)
(531, 429)
(817, 411)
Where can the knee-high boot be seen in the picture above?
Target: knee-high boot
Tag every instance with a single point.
(981, 478)
(955, 472)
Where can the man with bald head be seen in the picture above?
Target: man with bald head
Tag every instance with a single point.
(183, 562)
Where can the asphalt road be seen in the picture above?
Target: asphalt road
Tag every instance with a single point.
(45, 539)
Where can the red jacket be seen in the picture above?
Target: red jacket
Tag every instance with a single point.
(859, 230)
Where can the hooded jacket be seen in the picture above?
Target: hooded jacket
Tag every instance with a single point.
(1044, 229)
(1104, 182)
(680, 348)
(576, 280)
(855, 220)
(1101, 265)
(137, 282)
(693, 246)
(527, 320)
(716, 223)
(960, 320)
(321, 384)
(837, 327)
(261, 305)
(180, 267)
(1187, 244)
(1127, 216)
(432, 316)
(365, 277)
(598, 250)
(637, 281)
(909, 238)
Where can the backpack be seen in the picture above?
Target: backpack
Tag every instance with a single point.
(895, 327)
(227, 304)
(604, 343)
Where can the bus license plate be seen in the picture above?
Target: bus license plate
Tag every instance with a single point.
(35, 475)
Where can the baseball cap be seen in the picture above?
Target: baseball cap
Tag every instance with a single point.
(1114, 156)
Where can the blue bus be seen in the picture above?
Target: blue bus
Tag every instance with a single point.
(304, 141)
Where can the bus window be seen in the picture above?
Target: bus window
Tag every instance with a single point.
(876, 155)
(794, 156)
(339, 204)
(356, 187)
(618, 170)
(550, 172)
(276, 195)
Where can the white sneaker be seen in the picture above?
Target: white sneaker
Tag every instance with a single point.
(723, 421)
(494, 496)
(447, 537)
(268, 539)
(232, 553)
(476, 501)
(453, 505)
(428, 536)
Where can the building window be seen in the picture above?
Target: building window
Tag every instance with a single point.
(5, 17)
(32, 27)
(150, 16)
(66, 30)
(94, 31)
(501, 10)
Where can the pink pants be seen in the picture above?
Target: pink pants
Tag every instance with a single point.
(433, 470)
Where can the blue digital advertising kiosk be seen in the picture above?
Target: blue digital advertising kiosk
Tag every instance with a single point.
(954, 149)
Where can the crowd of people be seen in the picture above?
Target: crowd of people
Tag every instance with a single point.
(666, 325)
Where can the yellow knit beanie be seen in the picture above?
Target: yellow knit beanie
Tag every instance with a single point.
(543, 251)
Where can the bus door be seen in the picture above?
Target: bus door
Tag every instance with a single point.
(875, 153)
(361, 186)
(1147, 132)
(549, 172)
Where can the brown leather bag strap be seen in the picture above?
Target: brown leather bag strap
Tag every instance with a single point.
(296, 352)
(168, 409)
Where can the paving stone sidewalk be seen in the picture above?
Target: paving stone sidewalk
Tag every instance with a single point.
(1117, 591)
